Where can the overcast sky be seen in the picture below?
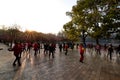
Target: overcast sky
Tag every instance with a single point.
(47, 16)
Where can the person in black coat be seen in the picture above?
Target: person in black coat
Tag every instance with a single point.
(110, 51)
(60, 47)
(51, 50)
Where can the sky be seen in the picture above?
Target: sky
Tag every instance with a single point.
(46, 16)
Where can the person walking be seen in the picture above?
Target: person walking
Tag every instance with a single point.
(35, 46)
(60, 47)
(66, 48)
(29, 45)
(98, 49)
(17, 50)
(38, 47)
(51, 50)
(81, 48)
(20, 45)
(110, 51)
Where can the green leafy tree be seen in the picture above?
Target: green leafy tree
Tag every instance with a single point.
(96, 18)
(70, 31)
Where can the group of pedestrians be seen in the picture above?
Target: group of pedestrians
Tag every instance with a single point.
(19, 48)
(49, 48)
(66, 46)
(108, 49)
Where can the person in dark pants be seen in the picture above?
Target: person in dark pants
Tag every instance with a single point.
(98, 49)
(29, 45)
(60, 47)
(38, 47)
(35, 46)
(20, 45)
(66, 48)
(17, 50)
(110, 51)
(51, 50)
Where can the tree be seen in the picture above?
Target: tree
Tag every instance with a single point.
(70, 31)
(111, 17)
(13, 32)
(96, 18)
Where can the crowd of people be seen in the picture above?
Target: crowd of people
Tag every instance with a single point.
(49, 48)
(108, 48)
(20, 48)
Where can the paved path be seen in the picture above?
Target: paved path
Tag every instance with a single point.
(62, 67)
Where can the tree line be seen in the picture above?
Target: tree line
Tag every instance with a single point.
(94, 18)
(14, 33)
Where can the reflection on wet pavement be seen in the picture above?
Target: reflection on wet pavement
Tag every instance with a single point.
(62, 67)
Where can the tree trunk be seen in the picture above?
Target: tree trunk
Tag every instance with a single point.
(84, 38)
(97, 41)
(84, 41)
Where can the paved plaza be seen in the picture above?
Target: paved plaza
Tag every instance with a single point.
(62, 67)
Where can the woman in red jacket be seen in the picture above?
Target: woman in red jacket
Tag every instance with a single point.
(17, 50)
(35, 46)
(81, 52)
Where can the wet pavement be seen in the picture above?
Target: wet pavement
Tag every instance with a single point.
(41, 67)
